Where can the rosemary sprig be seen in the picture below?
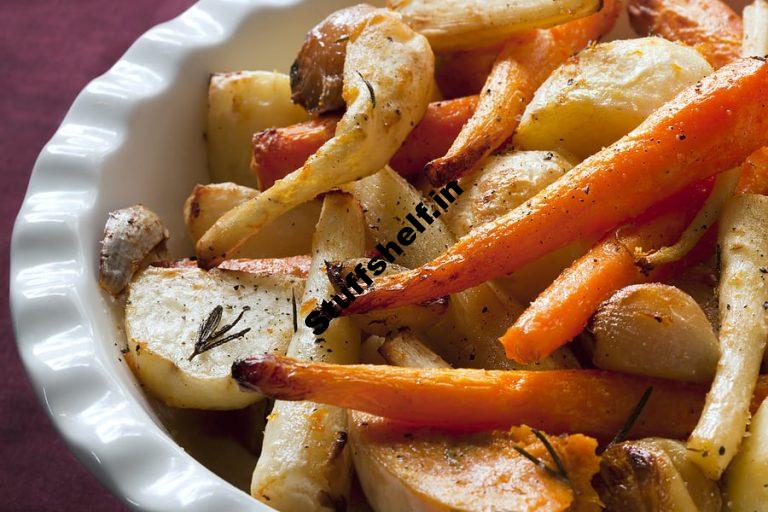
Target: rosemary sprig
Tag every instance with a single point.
(622, 433)
(293, 308)
(208, 337)
(370, 89)
(558, 471)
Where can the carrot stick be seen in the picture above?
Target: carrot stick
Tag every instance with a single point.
(592, 402)
(521, 67)
(709, 127)
(710, 26)
(279, 151)
(562, 310)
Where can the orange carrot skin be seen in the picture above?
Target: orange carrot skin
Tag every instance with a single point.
(279, 151)
(712, 126)
(592, 402)
(710, 26)
(562, 311)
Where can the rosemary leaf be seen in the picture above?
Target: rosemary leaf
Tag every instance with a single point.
(370, 89)
(552, 453)
(622, 433)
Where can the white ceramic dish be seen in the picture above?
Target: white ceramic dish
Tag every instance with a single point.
(134, 135)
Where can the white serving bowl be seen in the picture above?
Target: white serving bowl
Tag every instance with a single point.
(133, 135)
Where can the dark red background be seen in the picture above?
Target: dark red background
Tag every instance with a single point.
(49, 50)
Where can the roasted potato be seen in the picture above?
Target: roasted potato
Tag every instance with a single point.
(605, 92)
(164, 315)
(239, 105)
(655, 330)
(463, 24)
(207, 203)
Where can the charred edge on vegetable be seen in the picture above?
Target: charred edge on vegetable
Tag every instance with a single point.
(370, 88)
(208, 337)
(622, 433)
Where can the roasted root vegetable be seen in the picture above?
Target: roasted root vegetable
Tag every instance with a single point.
(463, 24)
(710, 26)
(317, 72)
(207, 203)
(304, 463)
(278, 152)
(747, 477)
(240, 104)
(743, 239)
(387, 85)
(755, 41)
(293, 265)
(463, 73)
(131, 237)
(523, 64)
(180, 362)
(594, 402)
(406, 349)
(654, 474)
(402, 468)
(639, 323)
(707, 128)
(605, 92)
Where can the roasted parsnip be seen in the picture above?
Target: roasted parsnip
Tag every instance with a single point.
(743, 240)
(755, 42)
(304, 463)
(387, 85)
(406, 349)
(747, 474)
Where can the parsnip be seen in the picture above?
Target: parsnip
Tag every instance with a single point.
(743, 239)
(239, 105)
(388, 82)
(207, 203)
(304, 464)
(605, 92)
(747, 477)
(755, 42)
(462, 24)
(405, 349)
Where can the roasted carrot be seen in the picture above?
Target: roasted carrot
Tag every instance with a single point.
(279, 151)
(708, 128)
(562, 310)
(592, 402)
(521, 67)
(708, 25)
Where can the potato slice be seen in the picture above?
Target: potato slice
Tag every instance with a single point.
(654, 474)
(239, 105)
(462, 24)
(605, 92)
(655, 330)
(747, 476)
(164, 312)
(207, 203)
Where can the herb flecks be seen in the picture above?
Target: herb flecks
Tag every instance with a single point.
(622, 433)
(370, 88)
(208, 337)
(558, 471)
(293, 310)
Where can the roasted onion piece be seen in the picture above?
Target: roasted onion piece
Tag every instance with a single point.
(317, 72)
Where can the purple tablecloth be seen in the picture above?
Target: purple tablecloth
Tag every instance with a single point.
(49, 50)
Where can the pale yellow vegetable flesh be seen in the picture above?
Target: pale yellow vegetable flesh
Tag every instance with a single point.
(304, 463)
(406, 349)
(463, 24)
(605, 92)
(746, 482)
(655, 330)
(239, 105)
(755, 42)
(743, 240)
(388, 82)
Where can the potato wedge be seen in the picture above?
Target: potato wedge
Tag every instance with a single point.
(388, 82)
(743, 239)
(463, 24)
(747, 477)
(416, 316)
(655, 330)
(404, 469)
(207, 203)
(164, 312)
(654, 474)
(304, 464)
(239, 105)
(605, 92)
